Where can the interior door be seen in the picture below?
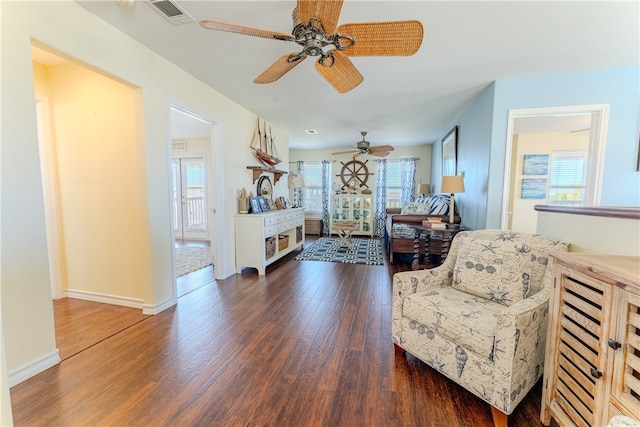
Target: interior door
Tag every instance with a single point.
(189, 191)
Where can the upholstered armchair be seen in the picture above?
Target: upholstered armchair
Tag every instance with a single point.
(481, 317)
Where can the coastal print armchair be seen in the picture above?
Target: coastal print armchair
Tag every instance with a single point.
(480, 318)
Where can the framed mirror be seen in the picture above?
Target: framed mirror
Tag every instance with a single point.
(265, 189)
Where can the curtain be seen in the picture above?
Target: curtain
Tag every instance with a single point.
(298, 193)
(326, 191)
(407, 180)
(381, 198)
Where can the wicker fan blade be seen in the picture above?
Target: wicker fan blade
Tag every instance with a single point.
(381, 148)
(346, 152)
(394, 38)
(279, 68)
(247, 31)
(342, 75)
(327, 11)
(379, 153)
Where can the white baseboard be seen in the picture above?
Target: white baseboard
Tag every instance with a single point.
(33, 368)
(155, 309)
(123, 301)
(103, 298)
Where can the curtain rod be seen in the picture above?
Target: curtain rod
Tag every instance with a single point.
(333, 161)
(313, 161)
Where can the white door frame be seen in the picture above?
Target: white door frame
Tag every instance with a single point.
(597, 141)
(48, 173)
(215, 194)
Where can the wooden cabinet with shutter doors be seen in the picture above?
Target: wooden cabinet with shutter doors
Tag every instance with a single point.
(592, 364)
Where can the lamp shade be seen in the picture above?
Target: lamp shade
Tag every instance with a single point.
(452, 184)
(423, 189)
(296, 180)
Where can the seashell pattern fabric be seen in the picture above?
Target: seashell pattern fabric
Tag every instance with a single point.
(500, 268)
(622, 421)
(493, 347)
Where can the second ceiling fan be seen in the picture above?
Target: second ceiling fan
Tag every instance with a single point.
(364, 147)
(315, 26)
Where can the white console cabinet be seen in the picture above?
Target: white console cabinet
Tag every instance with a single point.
(263, 238)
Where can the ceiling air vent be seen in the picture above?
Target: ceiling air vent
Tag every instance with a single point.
(171, 11)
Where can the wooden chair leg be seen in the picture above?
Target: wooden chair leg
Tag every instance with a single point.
(499, 417)
(399, 350)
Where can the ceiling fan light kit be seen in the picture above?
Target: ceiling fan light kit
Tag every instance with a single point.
(315, 26)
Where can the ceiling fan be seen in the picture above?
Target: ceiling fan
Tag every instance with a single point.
(364, 147)
(315, 27)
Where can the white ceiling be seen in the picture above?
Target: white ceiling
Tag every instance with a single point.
(403, 100)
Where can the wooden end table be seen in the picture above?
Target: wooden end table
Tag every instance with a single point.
(345, 228)
(431, 251)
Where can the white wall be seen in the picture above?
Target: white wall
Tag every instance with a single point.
(592, 234)
(27, 312)
(100, 195)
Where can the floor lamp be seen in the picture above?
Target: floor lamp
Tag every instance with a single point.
(452, 184)
(296, 182)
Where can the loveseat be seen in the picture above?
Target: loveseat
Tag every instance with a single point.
(480, 318)
(399, 233)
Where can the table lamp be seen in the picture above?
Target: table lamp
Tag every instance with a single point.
(452, 184)
(423, 190)
(296, 182)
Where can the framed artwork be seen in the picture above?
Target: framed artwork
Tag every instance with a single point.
(535, 164)
(255, 205)
(264, 207)
(272, 205)
(534, 188)
(450, 152)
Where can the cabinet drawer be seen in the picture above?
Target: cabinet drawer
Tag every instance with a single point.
(271, 230)
(272, 219)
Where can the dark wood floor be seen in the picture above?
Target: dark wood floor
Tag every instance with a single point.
(309, 344)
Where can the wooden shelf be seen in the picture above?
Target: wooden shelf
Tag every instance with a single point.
(258, 170)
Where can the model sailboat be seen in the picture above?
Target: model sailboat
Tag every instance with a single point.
(263, 146)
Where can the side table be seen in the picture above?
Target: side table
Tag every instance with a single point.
(436, 246)
(345, 228)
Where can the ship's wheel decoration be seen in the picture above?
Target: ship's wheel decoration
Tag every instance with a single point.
(354, 173)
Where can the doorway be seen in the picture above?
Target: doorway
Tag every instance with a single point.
(196, 176)
(582, 126)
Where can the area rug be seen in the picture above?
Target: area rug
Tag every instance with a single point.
(192, 258)
(368, 251)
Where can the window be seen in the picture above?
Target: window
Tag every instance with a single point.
(394, 187)
(312, 187)
(568, 178)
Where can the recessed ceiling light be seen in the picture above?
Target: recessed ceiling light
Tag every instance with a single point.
(311, 131)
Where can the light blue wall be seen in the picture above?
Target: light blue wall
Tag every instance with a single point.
(619, 88)
(483, 135)
(474, 148)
